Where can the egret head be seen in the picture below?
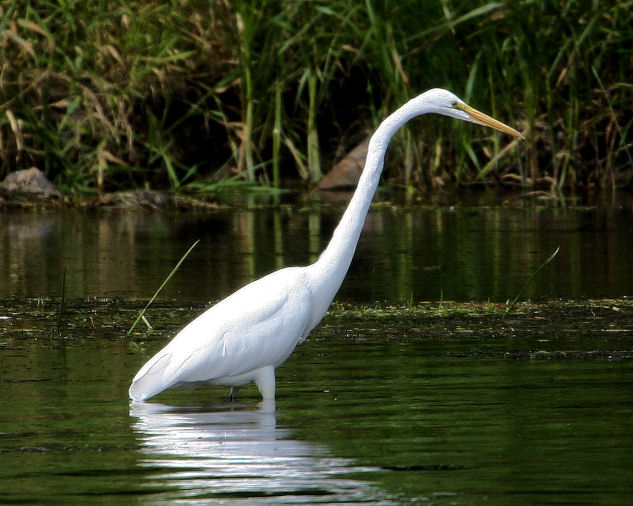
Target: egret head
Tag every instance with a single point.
(444, 102)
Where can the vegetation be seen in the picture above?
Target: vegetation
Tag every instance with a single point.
(189, 94)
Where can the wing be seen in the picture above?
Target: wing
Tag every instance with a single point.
(257, 326)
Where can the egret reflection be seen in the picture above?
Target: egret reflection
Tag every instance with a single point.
(236, 452)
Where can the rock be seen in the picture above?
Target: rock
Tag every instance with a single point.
(345, 174)
(27, 185)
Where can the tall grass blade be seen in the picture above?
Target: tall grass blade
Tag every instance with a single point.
(62, 301)
(314, 160)
(614, 116)
(173, 271)
(529, 281)
(277, 137)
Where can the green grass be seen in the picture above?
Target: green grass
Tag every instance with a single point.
(187, 94)
(141, 315)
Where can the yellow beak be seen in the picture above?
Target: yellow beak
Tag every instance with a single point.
(484, 119)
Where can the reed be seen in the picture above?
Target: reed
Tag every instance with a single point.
(141, 315)
(188, 94)
(529, 281)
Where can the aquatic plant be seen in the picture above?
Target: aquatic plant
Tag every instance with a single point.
(141, 315)
(511, 305)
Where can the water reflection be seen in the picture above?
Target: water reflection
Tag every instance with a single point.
(417, 253)
(234, 452)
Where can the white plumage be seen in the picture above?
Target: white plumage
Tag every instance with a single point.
(242, 338)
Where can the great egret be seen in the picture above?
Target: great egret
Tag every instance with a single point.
(246, 336)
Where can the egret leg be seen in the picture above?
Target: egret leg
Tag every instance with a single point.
(233, 394)
(265, 381)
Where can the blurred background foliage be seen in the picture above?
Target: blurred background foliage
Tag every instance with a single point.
(191, 95)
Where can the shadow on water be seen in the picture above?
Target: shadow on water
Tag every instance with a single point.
(236, 452)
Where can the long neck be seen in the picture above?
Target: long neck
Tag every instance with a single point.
(330, 269)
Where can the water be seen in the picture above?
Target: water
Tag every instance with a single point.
(390, 403)
(370, 409)
(410, 253)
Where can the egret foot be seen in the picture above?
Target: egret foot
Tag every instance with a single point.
(233, 394)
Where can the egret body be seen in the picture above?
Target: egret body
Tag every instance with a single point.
(246, 336)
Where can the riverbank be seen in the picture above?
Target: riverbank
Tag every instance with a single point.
(107, 96)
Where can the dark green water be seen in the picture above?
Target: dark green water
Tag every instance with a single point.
(390, 403)
(418, 253)
(370, 409)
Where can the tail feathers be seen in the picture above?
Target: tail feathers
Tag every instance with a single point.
(151, 379)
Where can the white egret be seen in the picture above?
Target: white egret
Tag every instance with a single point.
(246, 336)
